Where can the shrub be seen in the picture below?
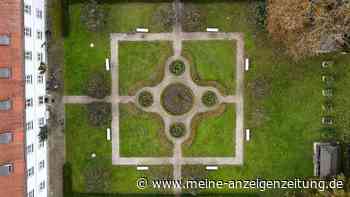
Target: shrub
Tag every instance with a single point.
(65, 17)
(177, 130)
(99, 113)
(97, 176)
(94, 16)
(44, 133)
(164, 16)
(177, 67)
(97, 86)
(192, 19)
(67, 180)
(209, 99)
(145, 99)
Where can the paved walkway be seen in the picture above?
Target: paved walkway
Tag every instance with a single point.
(177, 37)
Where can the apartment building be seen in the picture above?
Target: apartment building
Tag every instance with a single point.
(35, 92)
(23, 156)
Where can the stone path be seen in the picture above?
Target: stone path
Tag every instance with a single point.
(177, 37)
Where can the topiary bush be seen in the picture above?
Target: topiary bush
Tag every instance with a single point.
(99, 113)
(177, 130)
(145, 99)
(94, 15)
(209, 99)
(177, 67)
(97, 86)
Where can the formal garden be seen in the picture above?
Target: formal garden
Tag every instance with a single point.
(283, 101)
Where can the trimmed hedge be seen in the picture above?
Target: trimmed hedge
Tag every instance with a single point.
(177, 130)
(209, 99)
(177, 67)
(145, 99)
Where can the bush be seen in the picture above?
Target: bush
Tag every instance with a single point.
(44, 133)
(65, 17)
(67, 180)
(209, 99)
(145, 99)
(192, 19)
(97, 176)
(177, 130)
(99, 113)
(97, 86)
(164, 16)
(177, 67)
(94, 16)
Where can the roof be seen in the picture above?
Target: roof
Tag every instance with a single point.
(12, 89)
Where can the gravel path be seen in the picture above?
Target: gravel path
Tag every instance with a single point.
(177, 37)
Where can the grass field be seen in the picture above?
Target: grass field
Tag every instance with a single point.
(141, 64)
(213, 61)
(81, 60)
(213, 135)
(142, 134)
(82, 140)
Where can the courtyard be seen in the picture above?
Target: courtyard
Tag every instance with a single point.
(158, 116)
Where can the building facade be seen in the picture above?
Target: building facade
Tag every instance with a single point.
(35, 93)
(12, 109)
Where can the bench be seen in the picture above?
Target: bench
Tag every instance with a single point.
(107, 64)
(108, 134)
(247, 134)
(211, 167)
(246, 65)
(142, 168)
(142, 30)
(212, 29)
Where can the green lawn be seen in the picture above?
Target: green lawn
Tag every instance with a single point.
(81, 60)
(141, 64)
(82, 140)
(213, 135)
(213, 61)
(142, 134)
(225, 16)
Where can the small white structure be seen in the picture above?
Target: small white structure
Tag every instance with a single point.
(108, 134)
(92, 45)
(107, 64)
(142, 168)
(212, 29)
(211, 167)
(247, 134)
(142, 30)
(246, 65)
(93, 155)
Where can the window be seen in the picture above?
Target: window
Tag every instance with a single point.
(30, 148)
(29, 102)
(5, 138)
(5, 73)
(40, 79)
(6, 169)
(42, 185)
(5, 104)
(28, 55)
(31, 193)
(27, 31)
(41, 164)
(5, 40)
(39, 13)
(30, 172)
(27, 9)
(29, 79)
(41, 144)
(41, 100)
(39, 35)
(40, 57)
(41, 122)
(29, 125)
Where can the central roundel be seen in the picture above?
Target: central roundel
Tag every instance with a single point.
(177, 99)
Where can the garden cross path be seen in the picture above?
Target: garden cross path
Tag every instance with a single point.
(177, 37)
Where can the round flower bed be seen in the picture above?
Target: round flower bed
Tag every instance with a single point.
(177, 99)
(209, 99)
(177, 130)
(177, 67)
(145, 99)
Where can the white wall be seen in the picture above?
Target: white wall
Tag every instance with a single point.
(33, 91)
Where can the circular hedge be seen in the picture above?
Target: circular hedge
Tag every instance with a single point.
(177, 67)
(177, 99)
(209, 99)
(145, 99)
(177, 130)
